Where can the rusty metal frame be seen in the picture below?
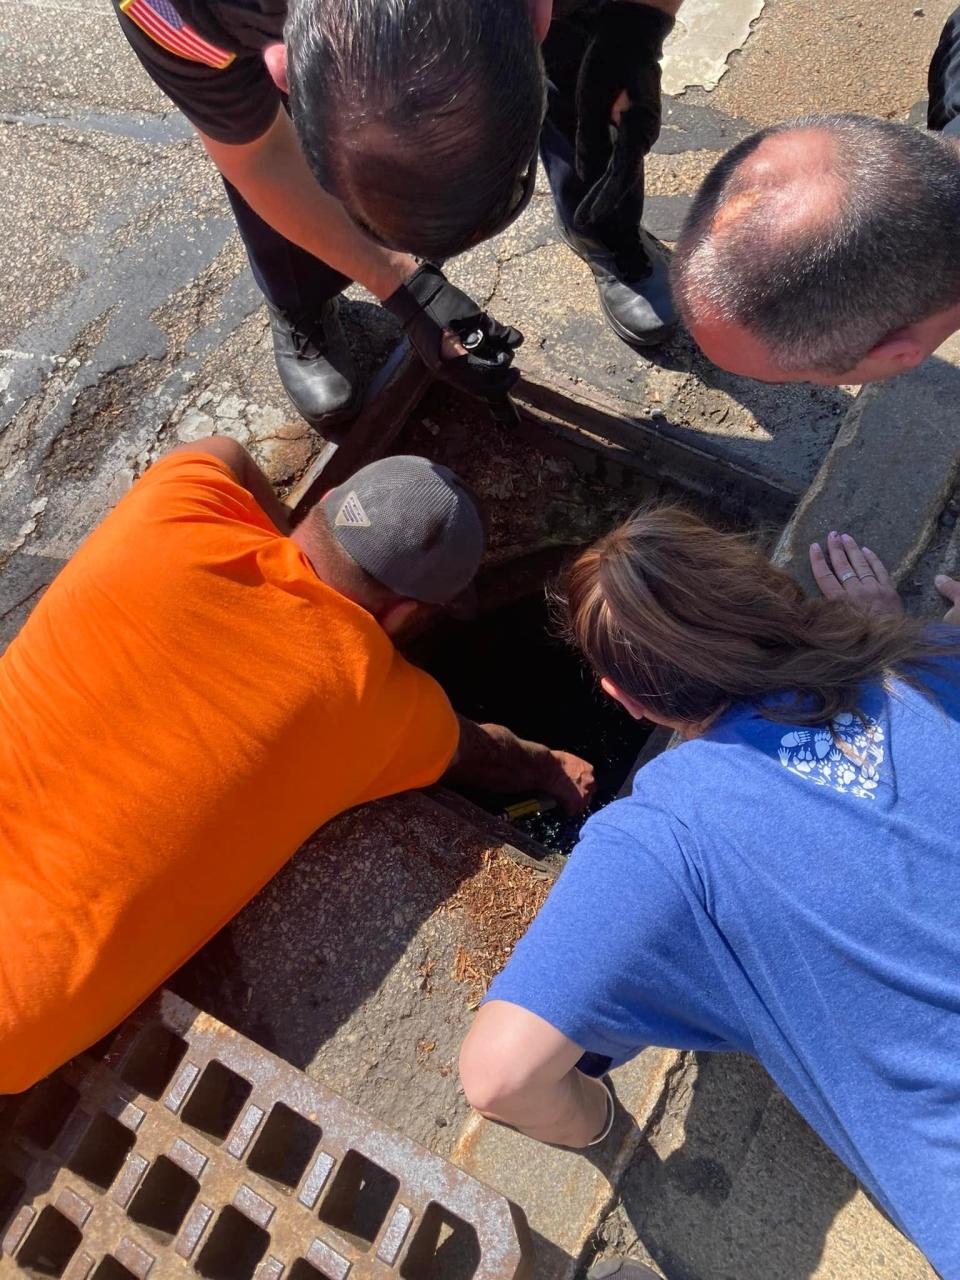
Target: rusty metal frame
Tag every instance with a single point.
(185, 1148)
(595, 431)
(599, 435)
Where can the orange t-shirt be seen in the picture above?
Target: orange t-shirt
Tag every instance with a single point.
(185, 705)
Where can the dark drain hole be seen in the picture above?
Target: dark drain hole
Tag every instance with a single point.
(216, 1101)
(44, 1111)
(359, 1199)
(444, 1248)
(111, 1269)
(50, 1245)
(233, 1248)
(101, 1151)
(304, 1270)
(286, 1143)
(163, 1198)
(508, 667)
(153, 1060)
(12, 1191)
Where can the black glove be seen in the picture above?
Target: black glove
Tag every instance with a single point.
(623, 57)
(427, 305)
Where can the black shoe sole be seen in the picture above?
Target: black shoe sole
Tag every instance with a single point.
(657, 337)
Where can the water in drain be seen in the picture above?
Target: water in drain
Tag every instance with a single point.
(509, 668)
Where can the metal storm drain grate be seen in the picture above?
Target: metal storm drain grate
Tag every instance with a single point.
(181, 1147)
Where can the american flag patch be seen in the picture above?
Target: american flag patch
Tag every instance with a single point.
(161, 22)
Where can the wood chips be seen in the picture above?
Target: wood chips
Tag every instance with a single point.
(498, 903)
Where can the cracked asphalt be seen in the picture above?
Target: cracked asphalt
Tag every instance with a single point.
(129, 317)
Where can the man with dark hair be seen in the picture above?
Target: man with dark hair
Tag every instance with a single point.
(196, 693)
(828, 249)
(354, 134)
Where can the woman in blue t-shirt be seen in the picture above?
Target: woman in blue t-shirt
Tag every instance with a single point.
(785, 882)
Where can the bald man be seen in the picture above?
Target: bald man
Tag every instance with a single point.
(825, 250)
(828, 249)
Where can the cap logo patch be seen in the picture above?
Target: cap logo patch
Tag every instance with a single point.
(352, 514)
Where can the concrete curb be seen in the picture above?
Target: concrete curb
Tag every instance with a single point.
(567, 1194)
(889, 472)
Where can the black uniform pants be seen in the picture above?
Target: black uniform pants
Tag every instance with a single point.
(295, 280)
(943, 110)
(288, 276)
(563, 52)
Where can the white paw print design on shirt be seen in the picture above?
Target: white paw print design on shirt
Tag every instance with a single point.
(846, 757)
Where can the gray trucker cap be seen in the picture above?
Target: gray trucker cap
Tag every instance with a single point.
(411, 524)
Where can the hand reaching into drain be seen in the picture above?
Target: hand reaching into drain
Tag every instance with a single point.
(569, 780)
(853, 573)
(491, 758)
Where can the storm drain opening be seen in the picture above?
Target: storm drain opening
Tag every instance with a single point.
(509, 666)
(50, 1245)
(284, 1147)
(45, 1110)
(444, 1248)
(110, 1269)
(233, 1248)
(217, 1099)
(359, 1200)
(12, 1191)
(304, 1270)
(163, 1198)
(153, 1061)
(101, 1151)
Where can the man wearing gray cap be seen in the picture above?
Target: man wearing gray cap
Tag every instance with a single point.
(196, 693)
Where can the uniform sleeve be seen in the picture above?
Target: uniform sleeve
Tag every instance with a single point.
(616, 959)
(235, 104)
(427, 738)
(943, 110)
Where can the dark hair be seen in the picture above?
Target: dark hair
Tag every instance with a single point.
(822, 295)
(421, 116)
(688, 620)
(338, 569)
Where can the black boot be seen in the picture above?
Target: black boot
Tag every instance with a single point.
(621, 1269)
(315, 364)
(633, 284)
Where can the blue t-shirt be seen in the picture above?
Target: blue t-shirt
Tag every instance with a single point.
(765, 891)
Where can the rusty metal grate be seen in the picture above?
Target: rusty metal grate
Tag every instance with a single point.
(183, 1148)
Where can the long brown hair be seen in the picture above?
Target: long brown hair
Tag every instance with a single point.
(688, 620)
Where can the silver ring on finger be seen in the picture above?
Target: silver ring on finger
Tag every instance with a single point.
(845, 577)
(865, 576)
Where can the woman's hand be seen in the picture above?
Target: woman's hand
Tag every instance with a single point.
(949, 588)
(853, 573)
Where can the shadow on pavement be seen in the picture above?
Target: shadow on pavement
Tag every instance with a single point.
(749, 1195)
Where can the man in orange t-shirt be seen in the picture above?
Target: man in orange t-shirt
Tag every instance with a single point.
(196, 693)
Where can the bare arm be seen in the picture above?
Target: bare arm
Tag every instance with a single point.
(274, 178)
(517, 1068)
(492, 758)
(245, 472)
